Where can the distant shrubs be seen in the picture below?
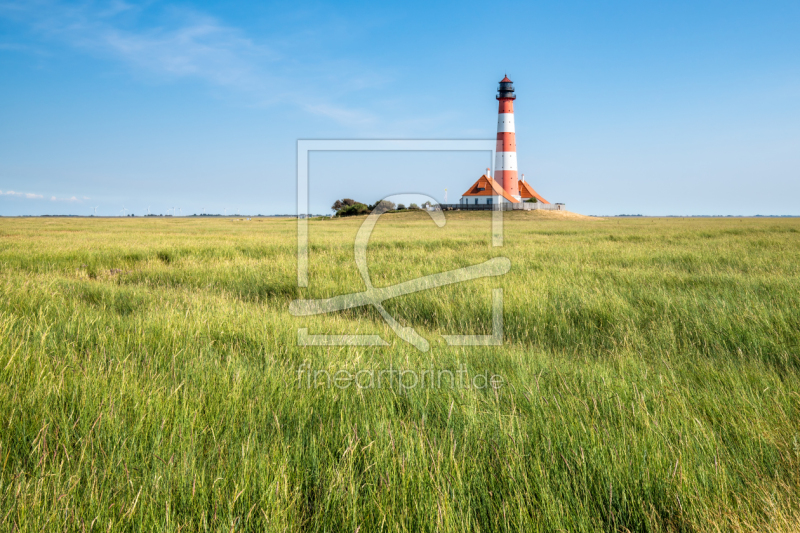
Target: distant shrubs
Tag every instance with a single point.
(353, 210)
(347, 207)
(341, 204)
(385, 205)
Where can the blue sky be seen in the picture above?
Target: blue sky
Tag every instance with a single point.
(623, 107)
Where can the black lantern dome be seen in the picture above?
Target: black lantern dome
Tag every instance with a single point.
(506, 89)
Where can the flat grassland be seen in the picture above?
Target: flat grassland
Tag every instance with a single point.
(151, 378)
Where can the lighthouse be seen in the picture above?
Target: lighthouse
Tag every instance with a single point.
(504, 187)
(505, 162)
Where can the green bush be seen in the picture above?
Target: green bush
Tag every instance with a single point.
(353, 210)
(385, 204)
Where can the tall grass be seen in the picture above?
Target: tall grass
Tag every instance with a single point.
(149, 378)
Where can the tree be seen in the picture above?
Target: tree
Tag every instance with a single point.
(384, 205)
(531, 201)
(400, 207)
(344, 202)
(353, 210)
(413, 206)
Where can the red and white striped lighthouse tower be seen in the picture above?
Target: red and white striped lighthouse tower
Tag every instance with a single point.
(505, 163)
(505, 187)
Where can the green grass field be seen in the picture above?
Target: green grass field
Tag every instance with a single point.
(149, 378)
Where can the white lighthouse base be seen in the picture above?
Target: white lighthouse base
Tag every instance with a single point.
(485, 200)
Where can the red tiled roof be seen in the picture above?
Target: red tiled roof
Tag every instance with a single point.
(490, 188)
(526, 191)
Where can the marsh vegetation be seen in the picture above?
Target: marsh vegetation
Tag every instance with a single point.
(149, 377)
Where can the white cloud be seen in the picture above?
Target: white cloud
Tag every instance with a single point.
(28, 195)
(183, 43)
(198, 47)
(70, 199)
(342, 115)
(17, 47)
(34, 196)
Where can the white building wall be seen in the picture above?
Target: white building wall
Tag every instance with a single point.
(483, 200)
